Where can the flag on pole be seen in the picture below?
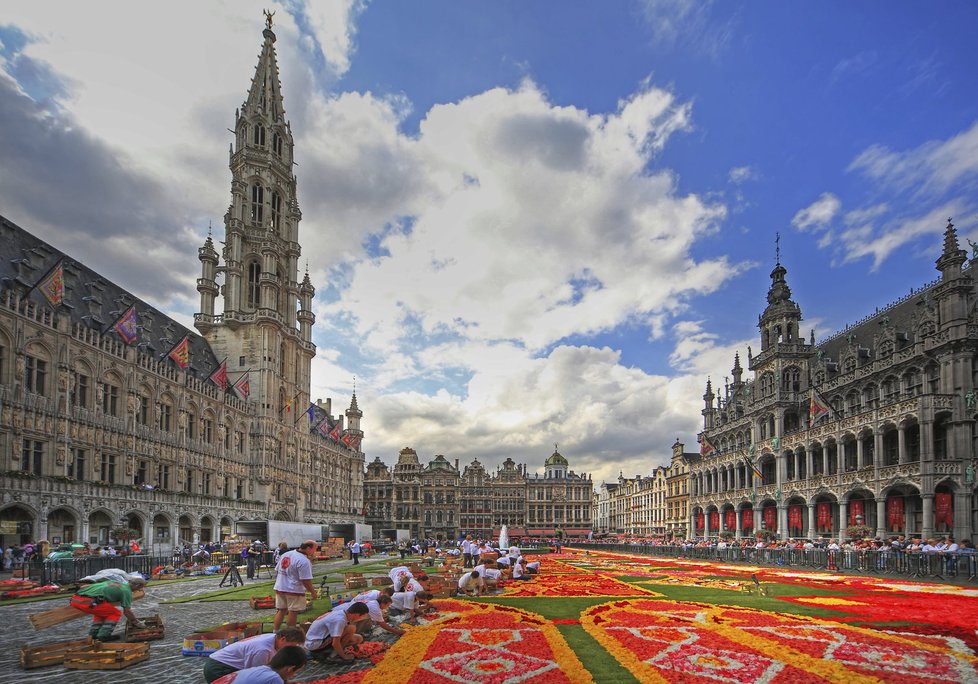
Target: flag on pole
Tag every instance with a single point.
(53, 286)
(181, 353)
(706, 447)
(334, 433)
(819, 408)
(128, 326)
(323, 428)
(311, 412)
(243, 386)
(750, 464)
(351, 440)
(220, 376)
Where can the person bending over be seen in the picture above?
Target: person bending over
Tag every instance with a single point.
(250, 652)
(282, 667)
(333, 632)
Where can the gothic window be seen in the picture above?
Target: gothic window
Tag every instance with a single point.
(886, 349)
(854, 403)
(79, 460)
(767, 384)
(277, 144)
(933, 378)
(259, 135)
(165, 416)
(890, 389)
(191, 425)
(207, 430)
(819, 378)
(106, 468)
(276, 210)
(110, 399)
(913, 382)
(80, 393)
(257, 203)
(32, 456)
(870, 396)
(281, 359)
(849, 365)
(35, 374)
(926, 328)
(142, 410)
(791, 379)
(254, 276)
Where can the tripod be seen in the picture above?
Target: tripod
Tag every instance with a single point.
(232, 577)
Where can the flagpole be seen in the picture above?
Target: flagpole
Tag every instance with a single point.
(46, 275)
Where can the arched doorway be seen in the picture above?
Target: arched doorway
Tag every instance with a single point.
(161, 534)
(206, 530)
(797, 518)
(747, 520)
(100, 528)
(16, 525)
(826, 515)
(186, 535)
(227, 528)
(62, 526)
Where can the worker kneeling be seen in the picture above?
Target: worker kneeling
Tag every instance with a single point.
(100, 600)
(333, 632)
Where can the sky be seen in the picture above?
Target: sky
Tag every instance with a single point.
(528, 224)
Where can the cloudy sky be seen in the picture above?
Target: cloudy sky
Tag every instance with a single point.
(527, 223)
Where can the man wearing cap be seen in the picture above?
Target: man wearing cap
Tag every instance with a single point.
(100, 600)
(293, 578)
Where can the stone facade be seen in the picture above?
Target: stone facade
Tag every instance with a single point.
(874, 426)
(98, 432)
(438, 501)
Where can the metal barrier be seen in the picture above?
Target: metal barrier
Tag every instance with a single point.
(885, 561)
(68, 570)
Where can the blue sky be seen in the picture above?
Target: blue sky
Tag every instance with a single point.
(527, 223)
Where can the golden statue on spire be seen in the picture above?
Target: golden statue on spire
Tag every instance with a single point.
(268, 18)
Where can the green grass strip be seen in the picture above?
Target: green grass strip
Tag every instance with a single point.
(601, 664)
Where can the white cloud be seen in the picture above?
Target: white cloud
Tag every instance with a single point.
(932, 168)
(819, 214)
(741, 174)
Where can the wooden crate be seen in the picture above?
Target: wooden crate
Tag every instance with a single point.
(152, 631)
(444, 590)
(166, 576)
(354, 583)
(383, 581)
(101, 656)
(49, 654)
(262, 602)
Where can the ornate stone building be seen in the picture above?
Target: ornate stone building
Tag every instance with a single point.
(874, 426)
(437, 501)
(113, 415)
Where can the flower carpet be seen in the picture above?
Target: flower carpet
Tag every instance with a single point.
(592, 617)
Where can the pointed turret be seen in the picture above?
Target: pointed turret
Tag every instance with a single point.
(207, 283)
(737, 371)
(953, 257)
(353, 416)
(709, 415)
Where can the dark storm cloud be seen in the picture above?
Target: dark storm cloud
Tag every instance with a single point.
(67, 187)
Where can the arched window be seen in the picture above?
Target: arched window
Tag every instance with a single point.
(791, 379)
(277, 144)
(849, 365)
(767, 384)
(886, 349)
(254, 288)
(259, 135)
(276, 210)
(257, 203)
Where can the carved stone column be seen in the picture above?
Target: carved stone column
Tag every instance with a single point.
(881, 517)
(927, 515)
(812, 532)
(843, 520)
(902, 444)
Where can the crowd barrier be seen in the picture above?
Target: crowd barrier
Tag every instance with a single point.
(886, 561)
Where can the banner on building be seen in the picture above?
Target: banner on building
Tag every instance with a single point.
(794, 517)
(53, 286)
(128, 326)
(731, 520)
(894, 508)
(857, 512)
(714, 521)
(706, 447)
(823, 516)
(747, 519)
(181, 353)
(220, 376)
(243, 386)
(700, 521)
(943, 509)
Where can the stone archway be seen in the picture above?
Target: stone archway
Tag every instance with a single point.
(17, 525)
(206, 529)
(63, 527)
(186, 534)
(227, 528)
(100, 526)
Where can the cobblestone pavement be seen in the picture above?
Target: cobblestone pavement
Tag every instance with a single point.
(165, 664)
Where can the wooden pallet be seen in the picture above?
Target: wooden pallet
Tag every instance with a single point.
(56, 616)
(152, 631)
(262, 602)
(101, 656)
(383, 581)
(354, 583)
(49, 654)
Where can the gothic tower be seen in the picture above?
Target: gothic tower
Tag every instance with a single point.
(263, 299)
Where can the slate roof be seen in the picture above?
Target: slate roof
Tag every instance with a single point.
(92, 300)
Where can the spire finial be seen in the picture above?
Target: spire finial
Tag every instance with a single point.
(268, 18)
(209, 228)
(777, 247)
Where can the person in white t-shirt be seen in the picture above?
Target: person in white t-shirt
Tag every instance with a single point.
(400, 576)
(413, 603)
(471, 584)
(375, 608)
(293, 578)
(533, 567)
(519, 571)
(250, 652)
(336, 630)
(281, 668)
